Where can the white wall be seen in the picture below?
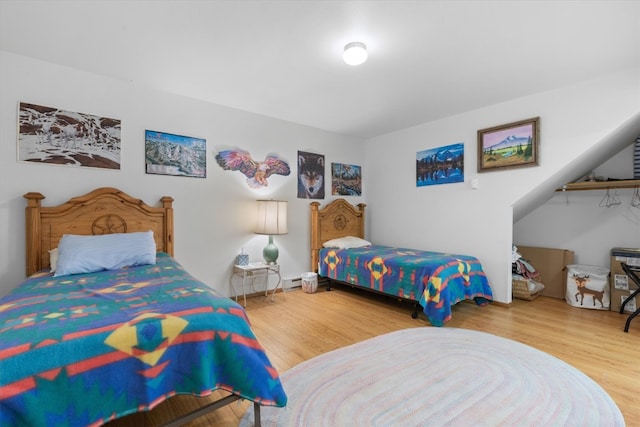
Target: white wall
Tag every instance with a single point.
(575, 220)
(214, 217)
(456, 218)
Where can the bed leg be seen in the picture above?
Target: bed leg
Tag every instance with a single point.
(414, 315)
(256, 414)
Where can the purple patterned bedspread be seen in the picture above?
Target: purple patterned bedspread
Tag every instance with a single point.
(436, 280)
(84, 349)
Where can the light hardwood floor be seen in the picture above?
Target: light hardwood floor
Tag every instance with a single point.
(298, 326)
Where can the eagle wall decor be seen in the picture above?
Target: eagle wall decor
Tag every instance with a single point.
(255, 171)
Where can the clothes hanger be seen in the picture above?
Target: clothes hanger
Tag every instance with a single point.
(610, 200)
(635, 199)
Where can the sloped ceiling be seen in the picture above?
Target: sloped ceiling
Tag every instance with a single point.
(579, 166)
(282, 59)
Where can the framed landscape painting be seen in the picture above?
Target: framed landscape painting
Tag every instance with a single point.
(509, 146)
(346, 180)
(441, 165)
(169, 154)
(50, 135)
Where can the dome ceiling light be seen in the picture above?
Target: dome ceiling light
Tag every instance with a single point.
(355, 53)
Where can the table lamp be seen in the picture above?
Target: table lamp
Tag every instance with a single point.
(271, 220)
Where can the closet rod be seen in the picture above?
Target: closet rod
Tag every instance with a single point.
(600, 185)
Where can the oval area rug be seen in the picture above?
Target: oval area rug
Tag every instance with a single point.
(439, 377)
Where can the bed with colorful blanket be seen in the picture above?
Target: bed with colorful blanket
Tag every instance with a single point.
(82, 348)
(433, 280)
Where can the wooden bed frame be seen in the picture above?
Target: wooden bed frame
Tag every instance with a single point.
(338, 219)
(104, 211)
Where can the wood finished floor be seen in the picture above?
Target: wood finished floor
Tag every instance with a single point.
(298, 326)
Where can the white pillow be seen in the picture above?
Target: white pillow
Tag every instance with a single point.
(346, 243)
(53, 259)
(87, 254)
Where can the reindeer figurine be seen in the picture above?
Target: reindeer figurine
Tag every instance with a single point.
(581, 283)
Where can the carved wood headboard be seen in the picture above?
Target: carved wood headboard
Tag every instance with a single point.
(102, 211)
(337, 219)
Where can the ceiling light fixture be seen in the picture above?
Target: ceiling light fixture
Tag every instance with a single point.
(355, 53)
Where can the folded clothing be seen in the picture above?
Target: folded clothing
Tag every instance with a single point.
(524, 268)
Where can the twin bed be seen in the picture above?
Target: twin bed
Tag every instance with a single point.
(81, 347)
(435, 281)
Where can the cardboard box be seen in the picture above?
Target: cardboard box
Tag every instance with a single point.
(617, 297)
(629, 256)
(621, 284)
(620, 281)
(551, 264)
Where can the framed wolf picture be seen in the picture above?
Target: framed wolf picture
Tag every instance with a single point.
(310, 175)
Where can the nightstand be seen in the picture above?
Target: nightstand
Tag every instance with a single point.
(252, 271)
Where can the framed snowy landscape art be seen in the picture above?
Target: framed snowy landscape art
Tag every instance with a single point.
(169, 154)
(54, 136)
(441, 165)
(509, 146)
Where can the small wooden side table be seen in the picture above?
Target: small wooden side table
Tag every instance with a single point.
(252, 271)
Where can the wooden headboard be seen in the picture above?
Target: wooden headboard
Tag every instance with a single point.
(102, 211)
(337, 219)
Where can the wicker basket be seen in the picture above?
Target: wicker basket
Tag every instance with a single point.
(521, 290)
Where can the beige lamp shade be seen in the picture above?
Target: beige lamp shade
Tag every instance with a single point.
(272, 217)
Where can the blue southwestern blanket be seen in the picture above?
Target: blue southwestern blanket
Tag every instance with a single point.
(81, 350)
(436, 280)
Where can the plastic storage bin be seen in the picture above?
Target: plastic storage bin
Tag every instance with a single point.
(309, 282)
(588, 287)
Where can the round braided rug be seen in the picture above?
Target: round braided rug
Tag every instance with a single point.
(439, 377)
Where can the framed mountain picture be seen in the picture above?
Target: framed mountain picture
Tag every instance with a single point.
(509, 146)
(177, 155)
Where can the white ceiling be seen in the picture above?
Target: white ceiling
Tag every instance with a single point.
(427, 59)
